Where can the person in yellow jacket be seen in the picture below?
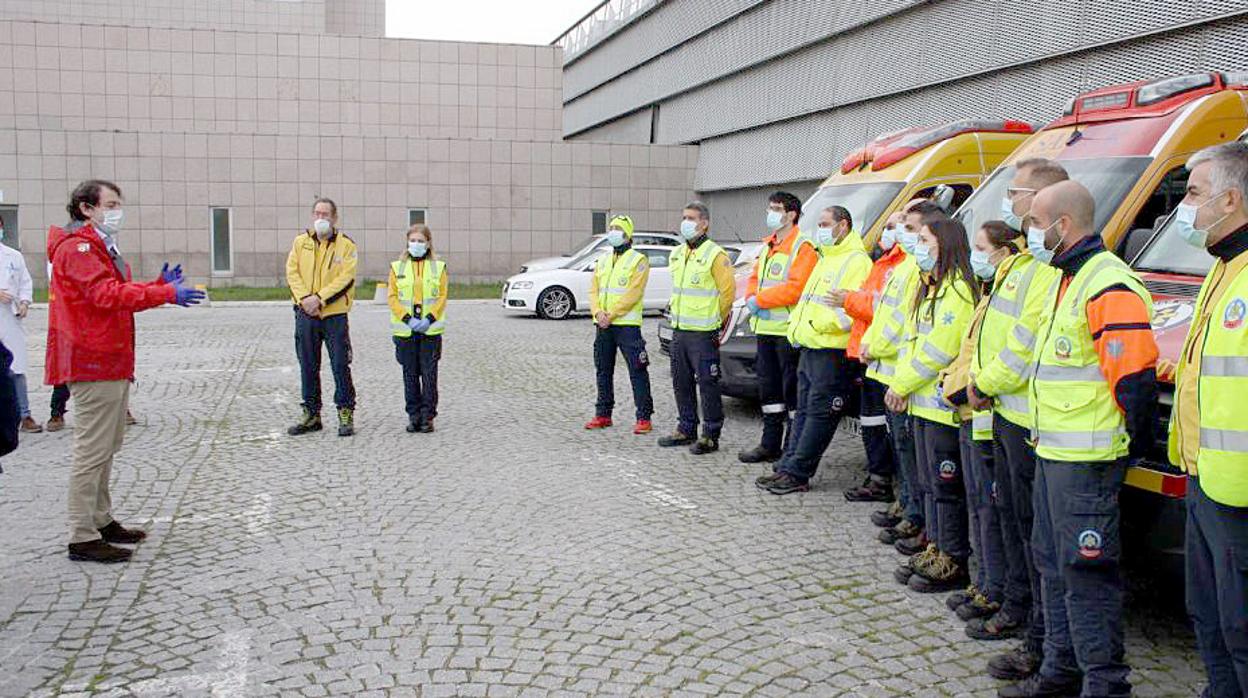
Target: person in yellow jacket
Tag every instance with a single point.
(1208, 428)
(1093, 403)
(703, 289)
(994, 258)
(320, 271)
(416, 294)
(881, 349)
(943, 306)
(1021, 301)
(616, 291)
(826, 376)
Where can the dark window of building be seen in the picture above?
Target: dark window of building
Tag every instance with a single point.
(600, 222)
(417, 216)
(222, 241)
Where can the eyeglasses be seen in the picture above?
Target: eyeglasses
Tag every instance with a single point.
(1015, 191)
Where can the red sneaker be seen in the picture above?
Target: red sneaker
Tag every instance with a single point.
(642, 427)
(598, 423)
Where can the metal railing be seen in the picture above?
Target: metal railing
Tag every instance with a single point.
(598, 23)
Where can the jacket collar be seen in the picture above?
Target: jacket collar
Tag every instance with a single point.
(1231, 246)
(852, 242)
(774, 240)
(333, 235)
(1072, 260)
(697, 242)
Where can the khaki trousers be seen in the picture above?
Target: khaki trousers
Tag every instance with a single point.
(99, 429)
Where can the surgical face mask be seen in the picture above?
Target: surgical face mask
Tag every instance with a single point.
(775, 219)
(1035, 243)
(688, 229)
(888, 238)
(923, 257)
(417, 249)
(111, 221)
(322, 227)
(1008, 216)
(908, 240)
(1185, 224)
(825, 237)
(982, 265)
(615, 238)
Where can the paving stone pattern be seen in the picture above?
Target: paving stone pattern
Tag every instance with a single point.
(510, 553)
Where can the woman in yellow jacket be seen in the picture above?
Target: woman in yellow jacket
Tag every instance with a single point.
(417, 299)
(943, 306)
(994, 258)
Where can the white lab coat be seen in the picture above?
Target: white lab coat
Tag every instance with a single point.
(15, 280)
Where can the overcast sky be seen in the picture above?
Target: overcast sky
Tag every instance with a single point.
(499, 21)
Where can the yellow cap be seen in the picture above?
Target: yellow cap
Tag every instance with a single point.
(624, 223)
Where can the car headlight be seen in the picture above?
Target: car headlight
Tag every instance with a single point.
(521, 285)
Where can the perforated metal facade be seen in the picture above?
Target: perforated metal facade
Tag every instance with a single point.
(780, 91)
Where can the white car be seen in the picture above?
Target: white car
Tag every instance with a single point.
(556, 294)
(599, 243)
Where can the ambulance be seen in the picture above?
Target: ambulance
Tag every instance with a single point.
(947, 161)
(1128, 145)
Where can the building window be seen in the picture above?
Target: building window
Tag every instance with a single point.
(600, 222)
(222, 241)
(417, 216)
(8, 223)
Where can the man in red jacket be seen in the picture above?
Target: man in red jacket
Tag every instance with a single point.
(91, 348)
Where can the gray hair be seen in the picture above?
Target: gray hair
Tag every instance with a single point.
(701, 208)
(1229, 168)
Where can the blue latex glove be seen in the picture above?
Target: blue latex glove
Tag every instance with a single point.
(186, 295)
(751, 306)
(171, 276)
(419, 326)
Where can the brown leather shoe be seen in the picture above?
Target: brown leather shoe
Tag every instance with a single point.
(116, 533)
(55, 423)
(97, 551)
(30, 426)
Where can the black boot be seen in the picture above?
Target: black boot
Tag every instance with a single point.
(998, 626)
(98, 551)
(413, 427)
(1015, 665)
(307, 423)
(758, 454)
(676, 439)
(1036, 686)
(346, 421)
(887, 518)
(871, 490)
(704, 445)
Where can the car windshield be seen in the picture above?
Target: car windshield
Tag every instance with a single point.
(865, 203)
(1109, 180)
(584, 245)
(1167, 253)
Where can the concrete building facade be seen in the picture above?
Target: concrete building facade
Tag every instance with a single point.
(777, 92)
(223, 121)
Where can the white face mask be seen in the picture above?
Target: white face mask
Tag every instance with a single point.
(615, 238)
(111, 221)
(1185, 223)
(322, 227)
(775, 219)
(417, 249)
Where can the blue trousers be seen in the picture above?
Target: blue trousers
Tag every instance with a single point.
(1078, 547)
(909, 493)
(632, 346)
(944, 496)
(695, 379)
(776, 367)
(23, 400)
(881, 460)
(1217, 589)
(986, 546)
(419, 356)
(1015, 462)
(825, 379)
(334, 333)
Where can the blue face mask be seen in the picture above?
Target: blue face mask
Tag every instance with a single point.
(689, 230)
(983, 268)
(825, 237)
(908, 241)
(924, 258)
(888, 238)
(1007, 214)
(417, 249)
(1035, 243)
(1185, 224)
(775, 219)
(616, 238)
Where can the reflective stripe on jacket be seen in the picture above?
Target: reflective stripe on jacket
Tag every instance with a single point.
(1076, 416)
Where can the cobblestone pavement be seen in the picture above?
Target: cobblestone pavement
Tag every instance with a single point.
(510, 553)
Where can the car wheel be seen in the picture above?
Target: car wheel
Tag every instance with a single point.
(555, 303)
